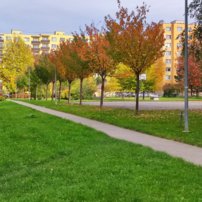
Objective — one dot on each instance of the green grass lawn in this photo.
(45, 158)
(165, 123)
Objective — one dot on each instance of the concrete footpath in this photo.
(187, 152)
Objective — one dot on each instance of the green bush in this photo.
(89, 88)
(2, 98)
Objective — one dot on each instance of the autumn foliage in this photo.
(194, 73)
(133, 41)
(100, 61)
(126, 39)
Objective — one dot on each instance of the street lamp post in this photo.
(186, 123)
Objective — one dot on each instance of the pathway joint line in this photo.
(192, 154)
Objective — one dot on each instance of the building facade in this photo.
(44, 43)
(173, 47)
(39, 43)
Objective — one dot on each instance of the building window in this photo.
(36, 39)
(35, 46)
(168, 29)
(54, 39)
(44, 38)
(168, 36)
(168, 69)
(179, 29)
(62, 39)
(44, 45)
(179, 45)
(168, 61)
(168, 45)
(168, 53)
(168, 77)
(26, 39)
(53, 46)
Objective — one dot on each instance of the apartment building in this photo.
(39, 43)
(44, 43)
(173, 47)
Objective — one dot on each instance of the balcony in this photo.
(45, 48)
(36, 42)
(46, 41)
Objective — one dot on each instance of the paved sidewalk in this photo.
(187, 152)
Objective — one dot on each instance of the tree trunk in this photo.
(81, 91)
(69, 91)
(16, 93)
(197, 92)
(102, 91)
(52, 96)
(46, 92)
(137, 90)
(143, 95)
(36, 92)
(191, 90)
(60, 87)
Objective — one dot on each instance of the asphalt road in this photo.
(153, 105)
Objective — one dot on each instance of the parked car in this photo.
(154, 96)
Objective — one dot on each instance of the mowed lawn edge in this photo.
(46, 158)
(162, 123)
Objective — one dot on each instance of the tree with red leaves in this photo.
(134, 42)
(66, 64)
(100, 61)
(82, 69)
(194, 74)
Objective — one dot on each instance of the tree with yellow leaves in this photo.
(17, 57)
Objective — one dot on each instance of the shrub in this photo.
(89, 88)
(2, 98)
(171, 90)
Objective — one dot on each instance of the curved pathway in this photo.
(187, 152)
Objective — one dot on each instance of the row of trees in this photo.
(127, 39)
(125, 47)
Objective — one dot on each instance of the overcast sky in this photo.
(47, 16)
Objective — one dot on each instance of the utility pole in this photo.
(186, 122)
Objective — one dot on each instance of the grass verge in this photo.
(162, 99)
(45, 158)
(165, 123)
